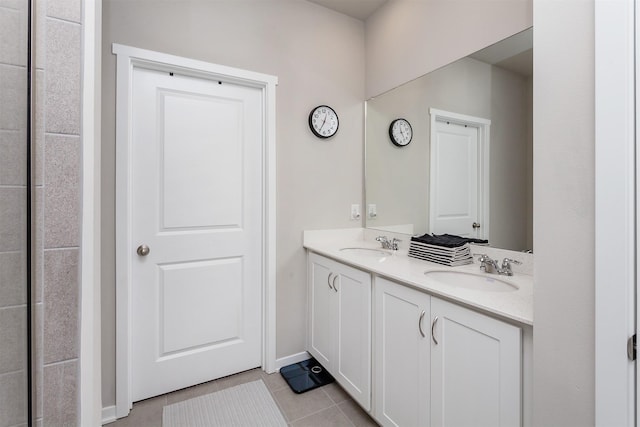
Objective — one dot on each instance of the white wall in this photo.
(318, 56)
(511, 169)
(564, 204)
(408, 38)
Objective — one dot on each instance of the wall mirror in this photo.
(468, 169)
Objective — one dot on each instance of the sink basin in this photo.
(478, 282)
(373, 252)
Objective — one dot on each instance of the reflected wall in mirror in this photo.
(494, 84)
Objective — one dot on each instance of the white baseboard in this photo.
(289, 360)
(108, 414)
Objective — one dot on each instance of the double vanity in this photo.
(417, 343)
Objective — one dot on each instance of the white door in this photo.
(196, 203)
(454, 180)
(476, 373)
(402, 353)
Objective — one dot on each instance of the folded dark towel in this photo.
(446, 240)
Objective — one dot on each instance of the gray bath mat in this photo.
(247, 405)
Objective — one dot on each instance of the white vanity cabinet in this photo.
(340, 324)
(402, 355)
(476, 374)
(440, 364)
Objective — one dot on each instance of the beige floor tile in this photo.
(147, 413)
(191, 392)
(356, 414)
(336, 393)
(330, 417)
(326, 406)
(295, 406)
(241, 378)
(274, 382)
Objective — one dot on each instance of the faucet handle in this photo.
(394, 243)
(507, 261)
(384, 241)
(482, 258)
(486, 263)
(506, 266)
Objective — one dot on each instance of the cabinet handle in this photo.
(335, 288)
(420, 323)
(329, 280)
(433, 335)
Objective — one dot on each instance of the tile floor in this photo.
(325, 406)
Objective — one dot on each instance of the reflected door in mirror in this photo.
(458, 184)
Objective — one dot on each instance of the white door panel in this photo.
(321, 310)
(402, 355)
(353, 356)
(198, 153)
(454, 177)
(199, 293)
(196, 202)
(476, 369)
(340, 324)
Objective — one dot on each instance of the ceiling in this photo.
(513, 53)
(359, 9)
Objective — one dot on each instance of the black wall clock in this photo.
(323, 121)
(400, 132)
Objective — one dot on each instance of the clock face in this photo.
(400, 132)
(323, 121)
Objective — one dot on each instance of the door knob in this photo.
(475, 225)
(143, 250)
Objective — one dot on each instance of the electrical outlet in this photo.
(355, 212)
(372, 211)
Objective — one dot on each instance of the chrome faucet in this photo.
(506, 266)
(490, 265)
(388, 244)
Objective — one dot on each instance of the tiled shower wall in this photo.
(57, 207)
(13, 202)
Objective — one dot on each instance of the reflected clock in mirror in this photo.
(400, 132)
(494, 83)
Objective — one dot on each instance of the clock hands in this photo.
(324, 121)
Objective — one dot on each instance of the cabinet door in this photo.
(475, 369)
(321, 309)
(352, 364)
(402, 336)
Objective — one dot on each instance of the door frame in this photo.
(616, 210)
(128, 58)
(90, 381)
(484, 127)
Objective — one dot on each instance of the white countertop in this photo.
(515, 305)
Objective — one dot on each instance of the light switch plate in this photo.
(355, 212)
(372, 211)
